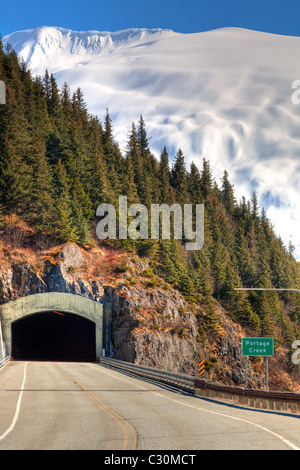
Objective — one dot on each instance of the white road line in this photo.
(15, 418)
(286, 441)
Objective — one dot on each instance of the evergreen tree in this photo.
(142, 138)
(129, 186)
(133, 151)
(227, 193)
(14, 178)
(167, 195)
(41, 205)
(202, 268)
(80, 224)
(254, 205)
(180, 179)
(206, 179)
(53, 101)
(47, 87)
(62, 227)
(194, 185)
(113, 157)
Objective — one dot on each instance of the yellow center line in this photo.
(120, 420)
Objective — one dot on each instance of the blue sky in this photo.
(186, 16)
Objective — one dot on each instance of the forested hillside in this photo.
(58, 163)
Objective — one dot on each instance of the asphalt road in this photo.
(85, 406)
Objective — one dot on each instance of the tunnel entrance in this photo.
(54, 336)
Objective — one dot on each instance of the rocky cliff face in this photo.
(149, 322)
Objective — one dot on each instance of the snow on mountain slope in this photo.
(224, 95)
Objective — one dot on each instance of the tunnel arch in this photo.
(53, 336)
(37, 304)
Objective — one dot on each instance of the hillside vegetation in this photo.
(58, 163)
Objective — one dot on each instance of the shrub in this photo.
(122, 268)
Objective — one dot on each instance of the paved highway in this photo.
(85, 406)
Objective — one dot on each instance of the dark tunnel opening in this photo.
(54, 336)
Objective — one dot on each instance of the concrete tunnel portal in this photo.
(53, 336)
(53, 326)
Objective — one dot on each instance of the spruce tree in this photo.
(129, 186)
(14, 178)
(227, 193)
(206, 179)
(62, 227)
(133, 150)
(180, 179)
(142, 137)
(194, 185)
(167, 195)
(41, 205)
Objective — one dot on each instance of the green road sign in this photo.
(257, 347)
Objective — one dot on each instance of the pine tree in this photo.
(38, 117)
(65, 102)
(246, 267)
(227, 193)
(101, 191)
(47, 87)
(220, 260)
(167, 195)
(268, 323)
(80, 223)
(206, 179)
(180, 179)
(41, 206)
(142, 137)
(194, 185)
(14, 178)
(62, 227)
(113, 157)
(254, 205)
(133, 150)
(129, 186)
(53, 100)
(202, 267)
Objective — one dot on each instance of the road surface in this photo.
(85, 406)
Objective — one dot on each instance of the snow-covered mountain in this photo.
(225, 95)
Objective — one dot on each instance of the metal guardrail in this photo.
(272, 400)
(4, 361)
(287, 402)
(181, 381)
(290, 397)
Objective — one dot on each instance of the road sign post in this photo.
(257, 347)
(201, 368)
